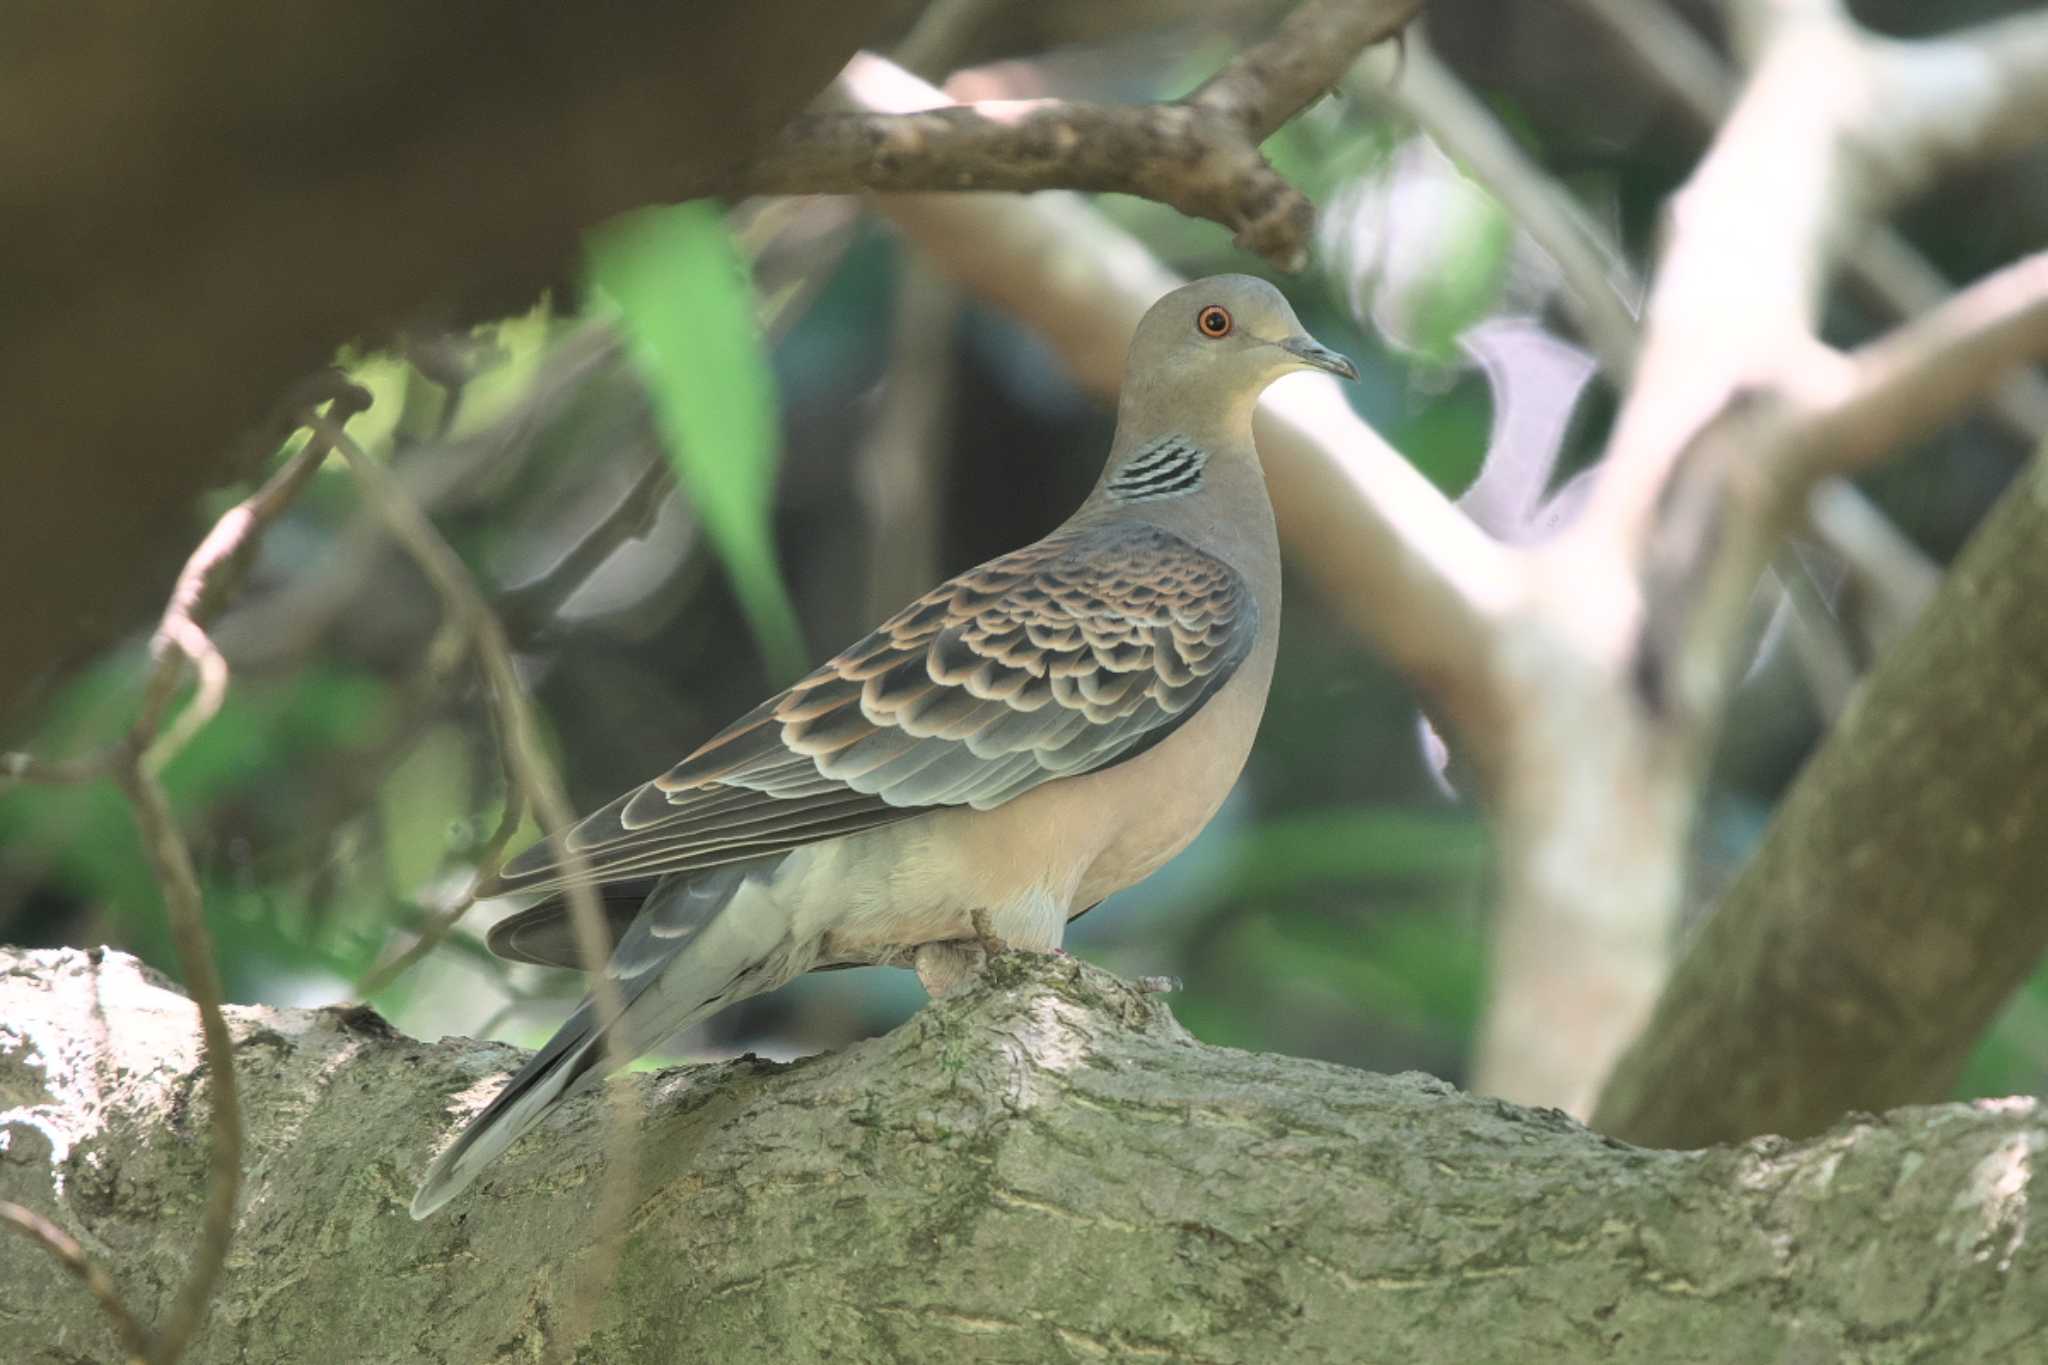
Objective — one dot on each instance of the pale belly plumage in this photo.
(1034, 862)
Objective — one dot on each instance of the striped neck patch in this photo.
(1165, 468)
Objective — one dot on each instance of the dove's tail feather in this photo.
(681, 958)
(571, 1055)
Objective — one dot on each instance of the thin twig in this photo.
(171, 862)
(529, 607)
(134, 1336)
(210, 575)
(282, 626)
(1815, 636)
(896, 466)
(1895, 577)
(1199, 154)
(1669, 50)
(490, 858)
(522, 611)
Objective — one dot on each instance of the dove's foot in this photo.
(985, 935)
(943, 968)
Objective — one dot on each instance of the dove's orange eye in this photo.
(1213, 321)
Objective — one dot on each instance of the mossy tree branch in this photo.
(1045, 1167)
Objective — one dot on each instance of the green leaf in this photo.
(686, 308)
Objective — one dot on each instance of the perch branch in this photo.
(1045, 1168)
(1199, 154)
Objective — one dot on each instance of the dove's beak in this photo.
(1314, 354)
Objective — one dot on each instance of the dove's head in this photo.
(1211, 347)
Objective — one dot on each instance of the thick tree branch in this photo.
(1928, 371)
(1884, 922)
(1042, 1168)
(1628, 647)
(1880, 261)
(1199, 154)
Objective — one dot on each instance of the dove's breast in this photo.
(1153, 806)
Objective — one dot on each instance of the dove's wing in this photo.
(1061, 658)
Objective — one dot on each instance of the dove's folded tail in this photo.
(569, 1056)
(683, 957)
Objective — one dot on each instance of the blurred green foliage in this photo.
(686, 306)
(84, 840)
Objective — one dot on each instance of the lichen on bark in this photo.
(1044, 1167)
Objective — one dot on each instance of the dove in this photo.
(1016, 745)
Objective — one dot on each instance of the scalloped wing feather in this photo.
(1062, 658)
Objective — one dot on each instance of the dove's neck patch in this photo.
(1165, 468)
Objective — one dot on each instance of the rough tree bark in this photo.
(1043, 1168)
(1884, 922)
